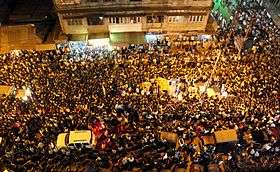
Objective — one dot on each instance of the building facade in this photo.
(91, 19)
(18, 37)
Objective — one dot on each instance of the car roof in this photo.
(80, 136)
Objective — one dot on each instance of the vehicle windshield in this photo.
(79, 145)
(67, 139)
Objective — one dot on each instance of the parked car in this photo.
(76, 139)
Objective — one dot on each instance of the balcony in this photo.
(116, 28)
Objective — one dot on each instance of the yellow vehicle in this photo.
(76, 139)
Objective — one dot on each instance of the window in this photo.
(192, 18)
(124, 20)
(95, 20)
(132, 19)
(174, 19)
(71, 146)
(169, 19)
(114, 20)
(78, 145)
(155, 19)
(196, 18)
(66, 141)
(74, 21)
(117, 20)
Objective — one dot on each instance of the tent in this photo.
(226, 136)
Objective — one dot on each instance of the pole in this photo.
(210, 78)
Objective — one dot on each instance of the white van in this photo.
(76, 139)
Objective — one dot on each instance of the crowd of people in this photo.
(78, 91)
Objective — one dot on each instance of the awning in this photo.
(78, 37)
(127, 38)
(98, 35)
(44, 47)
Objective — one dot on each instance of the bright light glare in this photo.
(152, 37)
(27, 94)
(98, 43)
(224, 94)
(24, 98)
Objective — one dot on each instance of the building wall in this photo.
(188, 24)
(178, 16)
(89, 4)
(18, 37)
